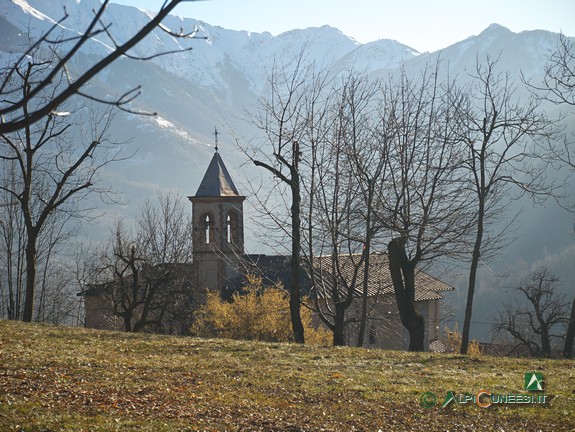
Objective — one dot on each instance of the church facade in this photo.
(220, 263)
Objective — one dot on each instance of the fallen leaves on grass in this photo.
(55, 378)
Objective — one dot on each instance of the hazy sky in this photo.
(425, 25)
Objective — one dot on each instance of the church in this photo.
(220, 263)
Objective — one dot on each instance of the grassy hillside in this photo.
(55, 378)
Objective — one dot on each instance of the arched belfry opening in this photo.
(208, 229)
(232, 224)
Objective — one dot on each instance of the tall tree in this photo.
(12, 259)
(53, 170)
(504, 156)
(366, 156)
(335, 231)
(340, 201)
(284, 118)
(56, 163)
(424, 209)
(559, 88)
(51, 300)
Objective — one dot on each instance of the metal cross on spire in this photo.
(216, 133)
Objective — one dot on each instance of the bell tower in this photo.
(217, 214)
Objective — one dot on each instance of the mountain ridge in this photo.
(223, 78)
(226, 74)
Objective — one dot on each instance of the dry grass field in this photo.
(71, 379)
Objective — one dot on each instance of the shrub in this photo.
(257, 313)
(454, 342)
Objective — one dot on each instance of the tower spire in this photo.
(216, 133)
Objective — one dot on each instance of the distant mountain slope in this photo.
(224, 75)
(194, 90)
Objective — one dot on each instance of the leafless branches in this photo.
(286, 120)
(427, 163)
(64, 50)
(51, 161)
(558, 84)
(506, 142)
(54, 147)
(344, 171)
(535, 325)
(145, 274)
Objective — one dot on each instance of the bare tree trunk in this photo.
(30, 278)
(295, 300)
(367, 252)
(12, 258)
(570, 335)
(545, 340)
(339, 325)
(403, 278)
(500, 132)
(365, 294)
(472, 281)
(127, 322)
(295, 267)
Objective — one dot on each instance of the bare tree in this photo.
(504, 146)
(392, 163)
(284, 118)
(335, 232)
(346, 167)
(56, 163)
(19, 110)
(12, 276)
(12, 259)
(559, 88)
(33, 135)
(424, 208)
(54, 299)
(537, 324)
(145, 274)
(366, 148)
(570, 334)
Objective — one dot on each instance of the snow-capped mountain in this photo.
(225, 75)
(192, 91)
(210, 61)
(222, 72)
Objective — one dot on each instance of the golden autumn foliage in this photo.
(255, 314)
(454, 342)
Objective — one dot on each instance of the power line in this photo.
(475, 322)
